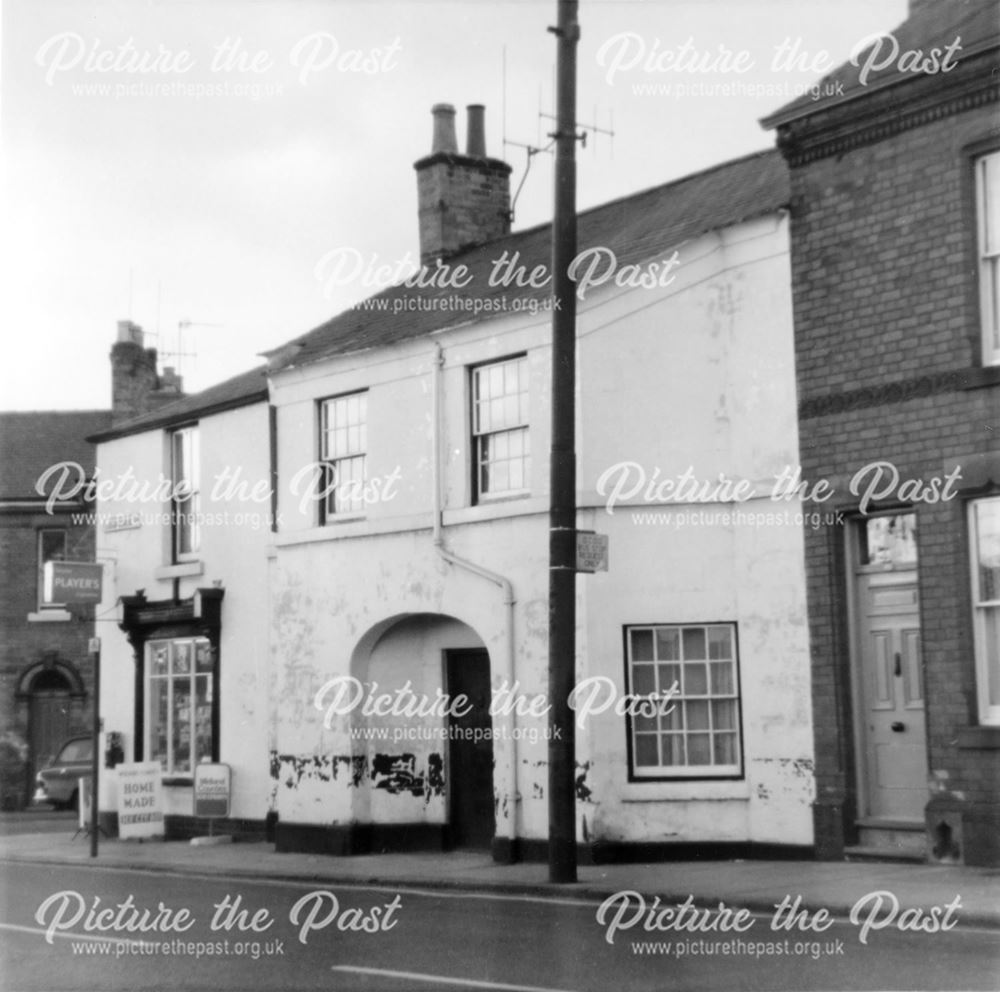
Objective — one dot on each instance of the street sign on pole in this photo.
(591, 551)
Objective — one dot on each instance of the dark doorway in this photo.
(470, 761)
(49, 720)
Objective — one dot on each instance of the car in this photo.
(58, 782)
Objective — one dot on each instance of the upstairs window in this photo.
(988, 217)
(343, 451)
(185, 493)
(500, 434)
(51, 547)
(984, 527)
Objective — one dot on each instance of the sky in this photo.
(189, 164)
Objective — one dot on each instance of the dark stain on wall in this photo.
(397, 773)
(582, 790)
(435, 776)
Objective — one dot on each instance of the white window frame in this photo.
(343, 450)
(989, 713)
(487, 428)
(637, 726)
(168, 761)
(42, 603)
(987, 210)
(185, 494)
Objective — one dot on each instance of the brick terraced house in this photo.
(895, 249)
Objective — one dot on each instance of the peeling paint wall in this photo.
(696, 375)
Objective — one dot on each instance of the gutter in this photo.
(504, 584)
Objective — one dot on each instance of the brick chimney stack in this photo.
(135, 386)
(463, 200)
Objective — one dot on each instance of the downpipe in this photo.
(504, 584)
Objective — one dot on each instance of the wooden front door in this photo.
(890, 677)
(48, 721)
(470, 761)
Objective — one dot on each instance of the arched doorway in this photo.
(52, 693)
(431, 767)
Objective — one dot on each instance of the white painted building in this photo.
(430, 580)
(183, 620)
(358, 656)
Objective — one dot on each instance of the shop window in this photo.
(179, 703)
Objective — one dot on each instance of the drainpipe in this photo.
(504, 584)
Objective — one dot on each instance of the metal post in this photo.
(562, 512)
(95, 655)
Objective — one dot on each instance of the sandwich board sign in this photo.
(72, 583)
(212, 789)
(140, 799)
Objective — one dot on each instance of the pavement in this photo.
(755, 885)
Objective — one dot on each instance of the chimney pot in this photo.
(127, 331)
(475, 136)
(444, 129)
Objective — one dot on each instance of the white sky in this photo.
(217, 208)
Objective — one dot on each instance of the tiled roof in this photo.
(240, 390)
(934, 25)
(636, 228)
(33, 441)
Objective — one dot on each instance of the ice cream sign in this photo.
(70, 583)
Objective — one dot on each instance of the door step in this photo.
(862, 853)
(889, 840)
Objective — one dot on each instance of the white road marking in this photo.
(413, 976)
(72, 936)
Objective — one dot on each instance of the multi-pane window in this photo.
(342, 450)
(185, 492)
(501, 438)
(988, 211)
(179, 703)
(696, 734)
(51, 547)
(985, 534)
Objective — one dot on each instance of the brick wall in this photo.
(24, 643)
(885, 295)
(462, 202)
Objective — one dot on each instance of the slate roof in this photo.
(935, 25)
(31, 442)
(240, 390)
(636, 228)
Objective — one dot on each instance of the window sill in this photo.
(677, 791)
(50, 616)
(977, 378)
(180, 570)
(496, 510)
(982, 738)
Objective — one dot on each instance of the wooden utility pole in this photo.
(562, 512)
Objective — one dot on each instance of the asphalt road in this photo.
(293, 936)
